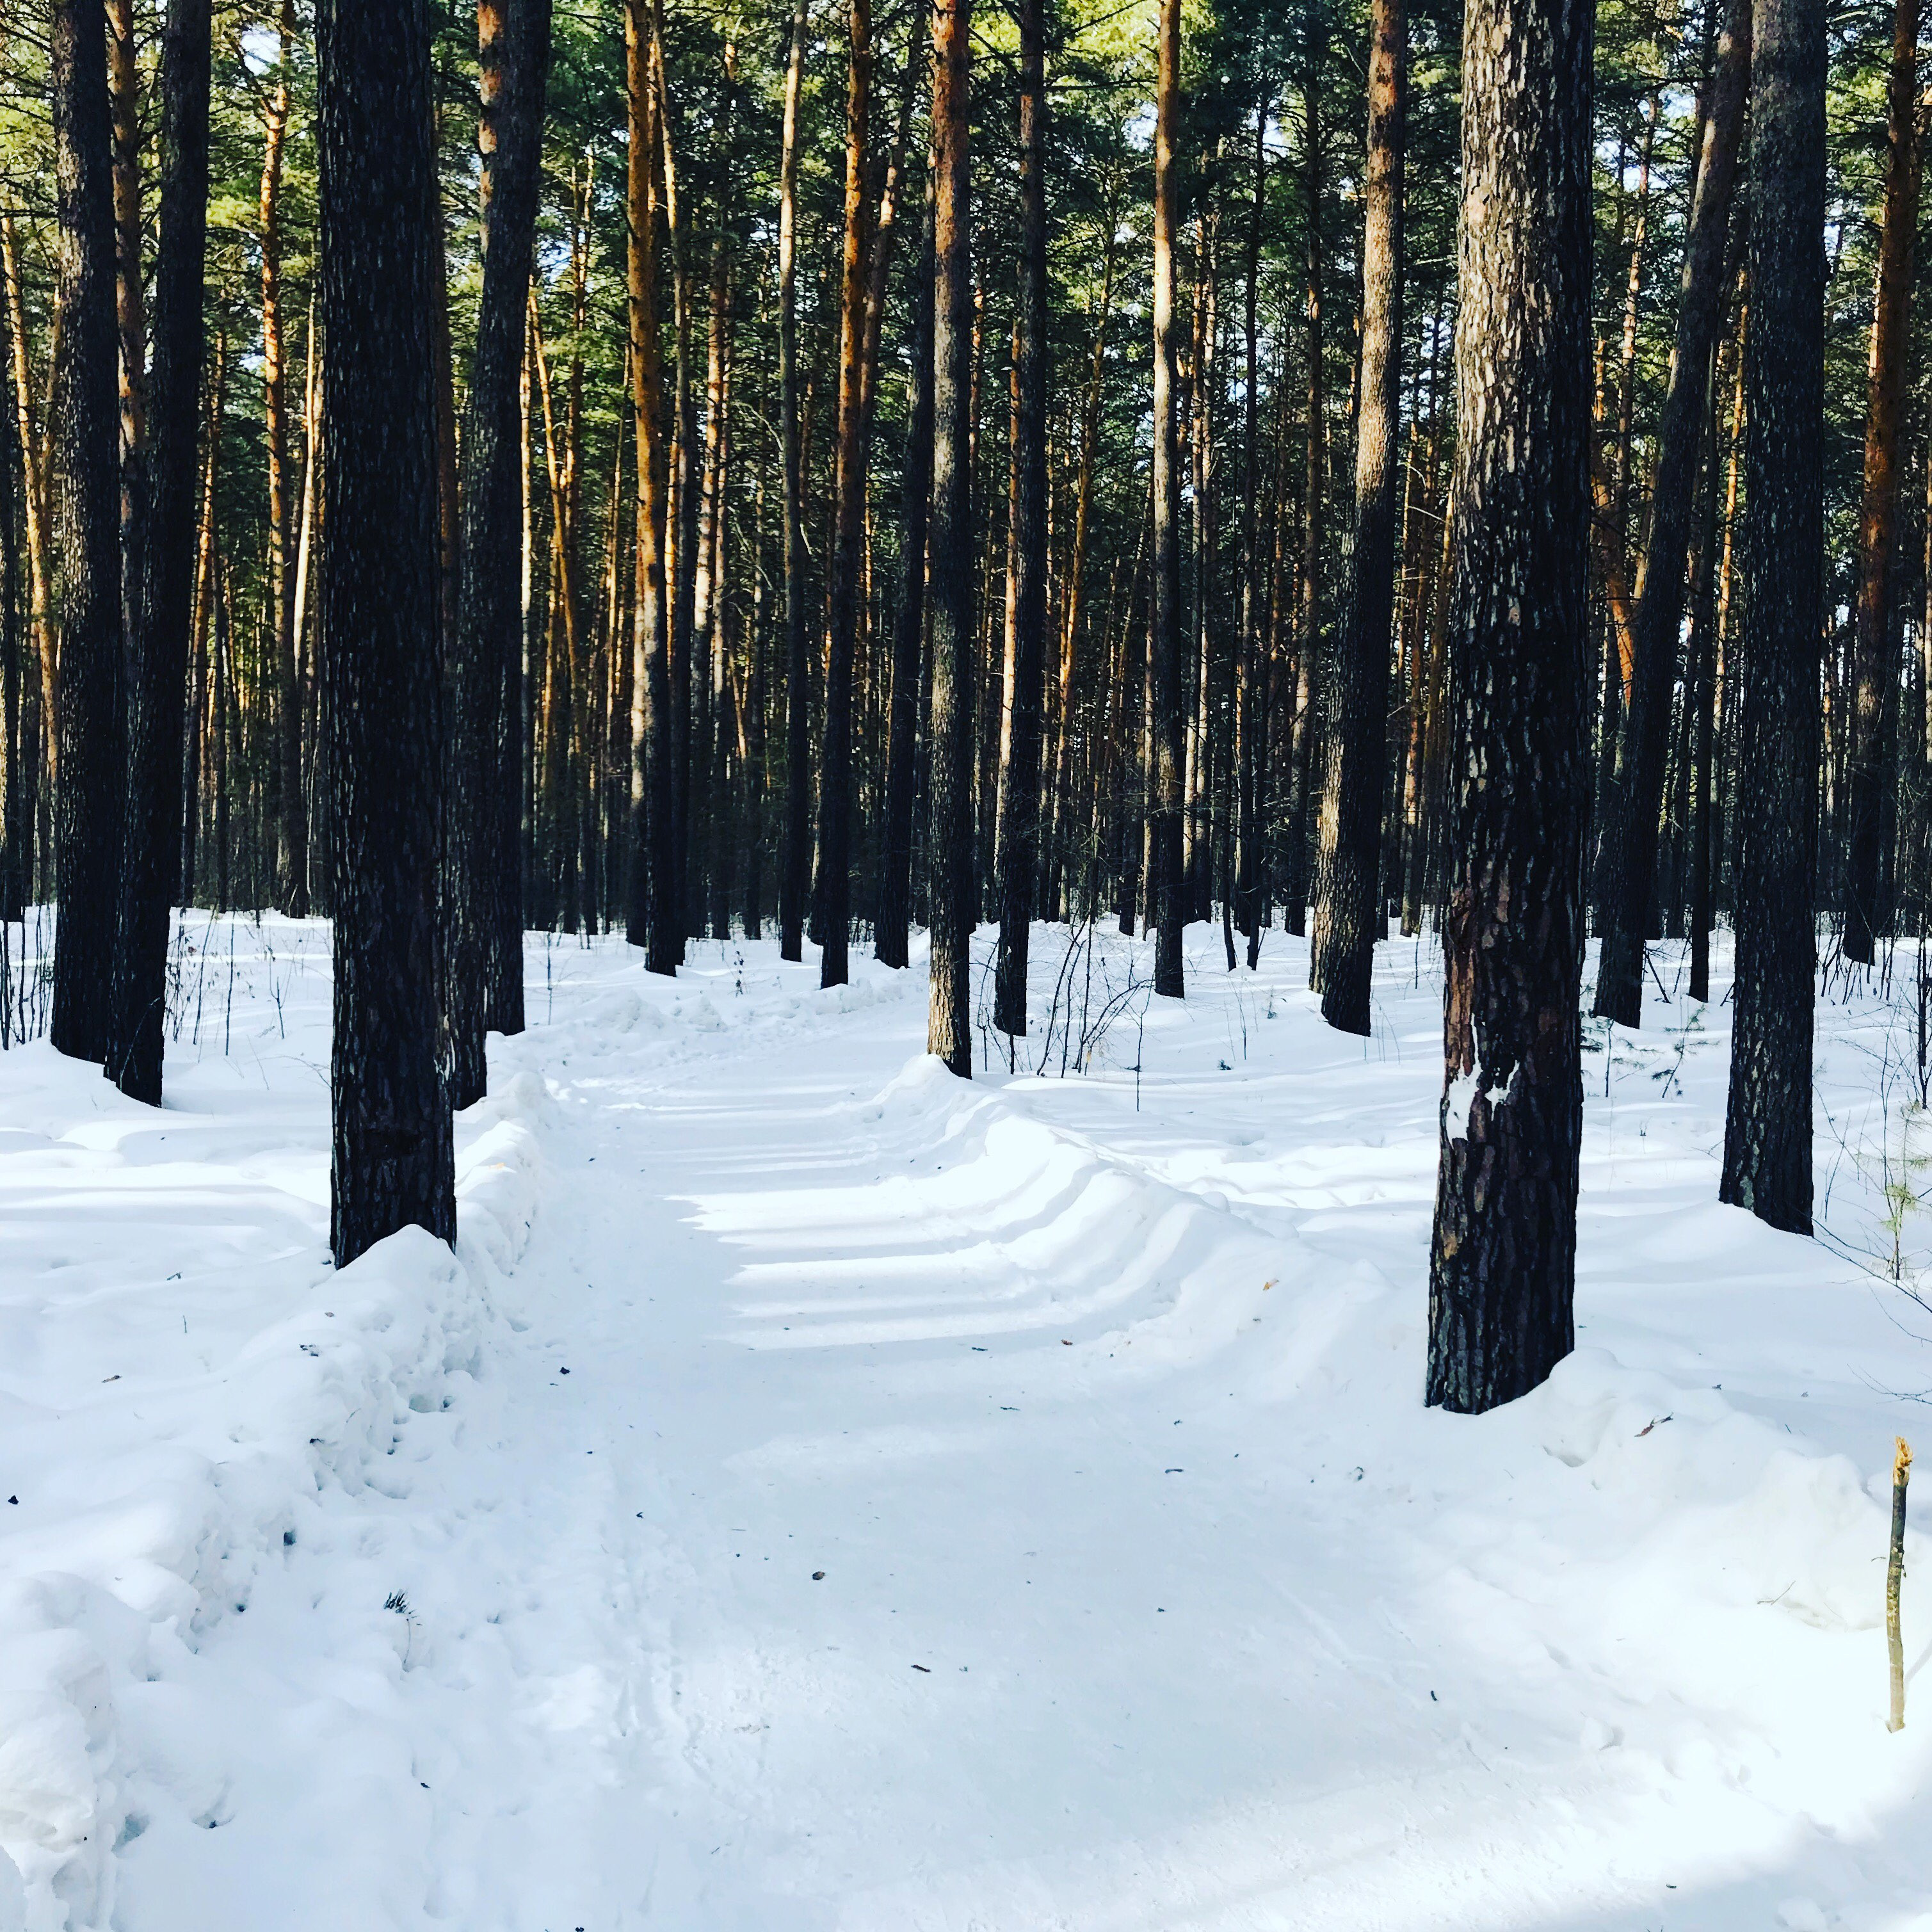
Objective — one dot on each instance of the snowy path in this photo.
(1150, 1599)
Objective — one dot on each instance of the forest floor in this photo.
(818, 1493)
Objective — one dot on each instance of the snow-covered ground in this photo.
(821, 1494)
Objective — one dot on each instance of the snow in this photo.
(818, 1493)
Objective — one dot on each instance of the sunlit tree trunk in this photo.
(1503, 1259)
(951, 890)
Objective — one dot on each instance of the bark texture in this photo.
(1767, 1119)
(164, 611)
(85, 429)
(393, 1163)
(1503, 1259)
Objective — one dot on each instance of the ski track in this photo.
(481, 1590)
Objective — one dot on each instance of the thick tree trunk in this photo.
(513, 44)
(1503, 1259)
(1627, 851)
(1876, 699)
(1026, 596)
(158, 649)
(951, 892)
(1767, 1122)
(1347, 915)
(1164, 806)
(894, 912)
(393, 1159)
(834, 782)
(795, 861)
(84, 432)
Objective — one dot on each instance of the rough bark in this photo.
(951, 889)
(379, 626)
(1503, 1257)
(1347, 915)
(1628, 851)
(84, 432)
(164, 613)
(1767, 1166)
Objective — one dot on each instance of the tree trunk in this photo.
(1876, 699)
(1026, 598)
(834, 782)
(293, 858)
(951, 892)
(514, 47)
(84, 433)
(1768, 1121)
(1628, 837)
(655, 918)
(1168, 888)
(379, 625)
(35, 452)
(1503, 1260)
(1347, 914)
(158, 650)
(123, 86)
(795, 864)
(894, 911)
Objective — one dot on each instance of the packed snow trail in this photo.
(822, 1494)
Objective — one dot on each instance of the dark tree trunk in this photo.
(1347, 915)
(1628, 848)
(795, 861)
(951, 892)
(1164, 806)
(158, 650)
(1026, 598)
(835, 778)
(1767, 1122)
(1503, 1260)
(513, 42)
(380, 589)
(894, 912)
(86, 430)
(1876, 702)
